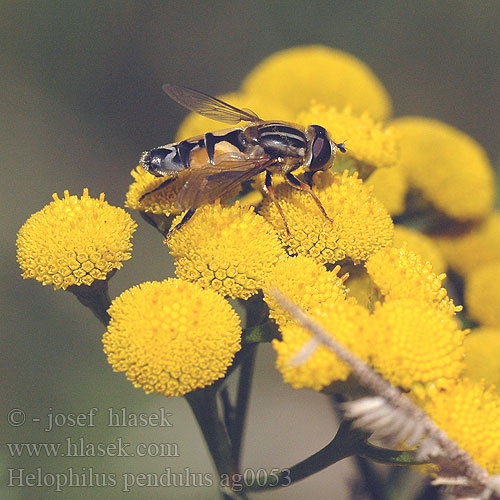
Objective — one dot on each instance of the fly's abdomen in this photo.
(280, 140)
(168, 160)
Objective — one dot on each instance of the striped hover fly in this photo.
(216, 162)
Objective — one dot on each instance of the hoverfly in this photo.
(216, 162)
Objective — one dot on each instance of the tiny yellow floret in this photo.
(470, 415)
(347, 322)
(74, 241)
(171, 337)
(482, 294)
(449, 168)
(228, 248)
(361, 225)
(295, 76)
(415, 346)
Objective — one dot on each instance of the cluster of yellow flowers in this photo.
(376, 286)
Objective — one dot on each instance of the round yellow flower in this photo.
(228, 248)
(473, 246)
(360, 226)
(400, 273)
(293, 77)
(367, 141)
(447, 166)
(74, 241)
(470, 415)
(390, 186)
(347, 322)
(171, 337)
(482, 355)
(305, 282)
(415, 346)
(421, 245)
(482, 294)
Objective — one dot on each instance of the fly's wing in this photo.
(209, 106)
(209, 182)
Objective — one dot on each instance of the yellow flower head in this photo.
(400, 273)
(171, 337)
(482, 294)
(421, 245)
(74, 241)
(347, 322)
(470, 415)
(390, 186)
(360, 226)
(305, 282)
(159, 202)
(367, 141)
(447, 166)
(472, 247)
(228, 248)
(415, 346)
(482, 355)
(294, 76)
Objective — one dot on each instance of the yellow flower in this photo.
(447, 166)
(195, 124)
(482, 355)
(421, 245)
(415, 346)
(228, 248)
(305, 282)
(293, 77)
(159, 202)
(390, 186)
(473, 246)
(360, 226)
(347, 323)
(482, 294)
(171, 337)
(470, 415)
(367, 141)
(74, 241)
(400, 273)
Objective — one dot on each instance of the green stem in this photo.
(243, 394)
(95, 297)
(345, 444)
(204, 406)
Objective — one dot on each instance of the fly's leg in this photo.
(161, 186)
(183, 221)
(302, 186)
(270, 190)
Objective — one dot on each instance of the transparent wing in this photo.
(205, 184)
(209, 106)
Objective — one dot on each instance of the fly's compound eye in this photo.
(321, 152)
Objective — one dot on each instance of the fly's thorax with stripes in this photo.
(282, 140)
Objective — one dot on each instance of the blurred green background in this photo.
(81, 98)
